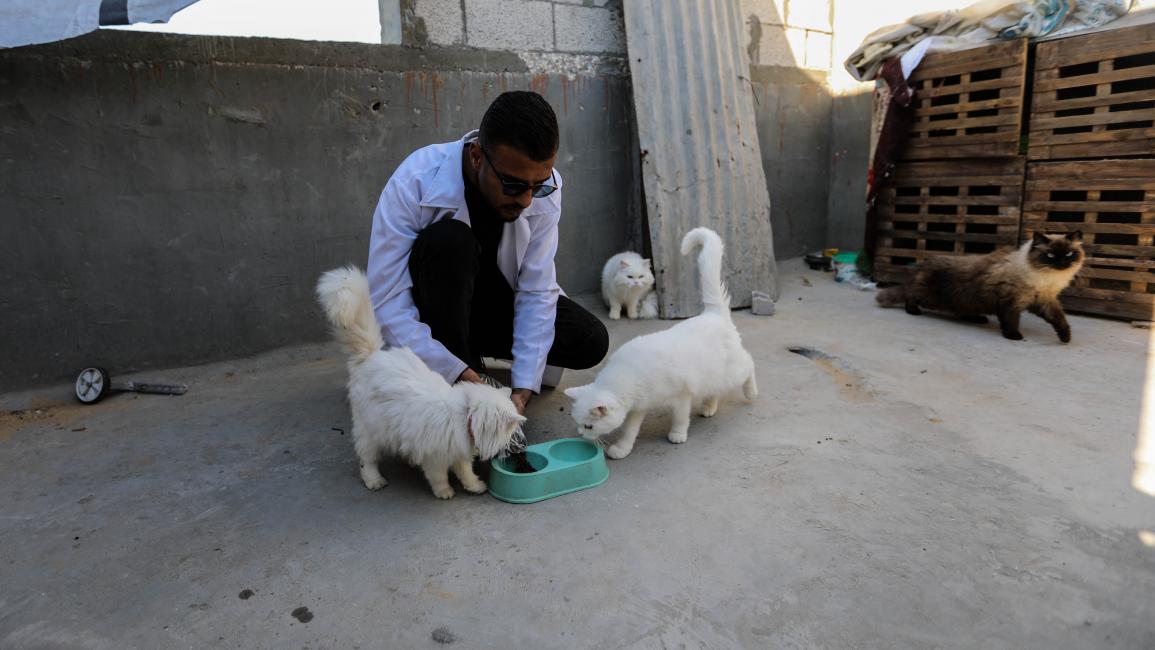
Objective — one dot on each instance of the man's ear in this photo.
(474, 152)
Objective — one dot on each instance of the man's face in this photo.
(510, 165)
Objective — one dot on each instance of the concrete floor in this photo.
(933, 486)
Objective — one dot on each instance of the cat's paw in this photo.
(443, 492)
(1065, 337)
(478, 487)
(615, 315)
(710, 408)
(1014, 336)
(750, 389)
(617, 452)
(374, 483)
(677, 437)
(372, 478)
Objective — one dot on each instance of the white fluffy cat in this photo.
(628, 281)
(695, 361)
(402, 407)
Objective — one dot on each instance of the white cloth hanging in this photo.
(27, 22)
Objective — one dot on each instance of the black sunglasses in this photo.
(517, 188)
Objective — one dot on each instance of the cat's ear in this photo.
(509, 418)
(506, 390)
(623, 264)
(1075, 236)
(648, 264)
(599, 411)
(573, 393)
(1040, 239)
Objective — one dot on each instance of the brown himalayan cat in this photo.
(1004, 283)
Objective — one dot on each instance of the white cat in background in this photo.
(402, 407)
(695, 361)
(628, 281)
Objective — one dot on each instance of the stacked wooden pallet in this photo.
(962, 186)
(958, 186)
(968, 104)
(1113, 203)
(1094, 96)
(946, 207)
(1094, 102)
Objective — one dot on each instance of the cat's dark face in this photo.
(1056, 252)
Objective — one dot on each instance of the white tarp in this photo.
(973, 26)
(27, 22)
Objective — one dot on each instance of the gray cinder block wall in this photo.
(171, 199)
(552, 36)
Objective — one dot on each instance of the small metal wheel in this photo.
(92, 385)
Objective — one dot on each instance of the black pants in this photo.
(468, 304)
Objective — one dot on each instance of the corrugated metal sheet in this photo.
(701, 163)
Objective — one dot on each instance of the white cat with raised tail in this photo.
(696, 361)
(628, 281)
(402, 407)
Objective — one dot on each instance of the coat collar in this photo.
(447, 189)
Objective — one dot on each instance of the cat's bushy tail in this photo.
(649, 306)
(891, 296)
(714, 293)
(344, 295)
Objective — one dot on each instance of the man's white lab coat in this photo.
(426, 188)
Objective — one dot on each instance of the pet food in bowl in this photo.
(560, 467)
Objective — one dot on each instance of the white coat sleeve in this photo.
(395, 228)
(535, 304)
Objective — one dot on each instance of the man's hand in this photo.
(471, 376)
(521, 397)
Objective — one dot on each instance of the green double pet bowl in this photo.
(560, 467)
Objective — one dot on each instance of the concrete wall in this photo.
(171, 199)
(849, 160)
(793, 109)
(789, 44)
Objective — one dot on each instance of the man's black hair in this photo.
(522, 120)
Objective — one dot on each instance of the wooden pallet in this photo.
(1094, 96)
(968, 104)
(1113, 203)
(950, 207)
